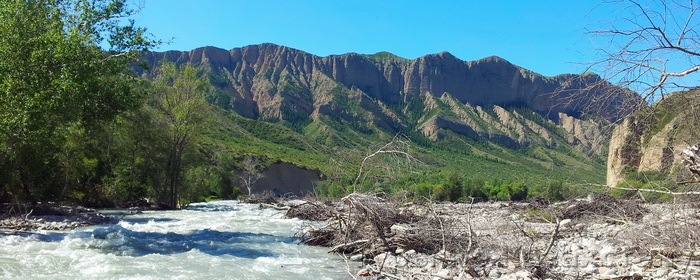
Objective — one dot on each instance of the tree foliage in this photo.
(57, 82)
(180, 100)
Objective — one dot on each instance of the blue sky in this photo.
(545, 36)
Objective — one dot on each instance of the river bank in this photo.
(51, 217)
(54, 216)
(595, 238)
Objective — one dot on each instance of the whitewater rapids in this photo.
(219, 240)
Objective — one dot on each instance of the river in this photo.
(219, 240)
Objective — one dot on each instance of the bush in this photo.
(552, 191)
(330, 190)
(451, 190)
(474, 188)
(517, 190)
(424, 189)
(503, 191)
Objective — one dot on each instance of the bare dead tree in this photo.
(653, 47)
(647, 50)
(397, 149)
(250, 173)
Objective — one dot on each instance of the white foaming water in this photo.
(221, 240)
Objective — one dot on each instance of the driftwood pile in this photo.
(596, 238)
(312, 211)
(462, 241)
(266, 197)
(364, 226)
(27, 217)
(691, 159)
(600, 205)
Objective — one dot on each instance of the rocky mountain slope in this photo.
(433, 95)
(501, 120)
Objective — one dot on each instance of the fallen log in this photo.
(348, 247)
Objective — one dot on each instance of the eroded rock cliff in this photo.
(260, 77)
(432, 95)
(651, 141)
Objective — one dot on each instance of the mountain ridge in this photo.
(488, 81)
(353, 100)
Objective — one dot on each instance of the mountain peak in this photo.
(204, 48)
(440, 55)
(446, 54)
(385, 56)
(494, 59)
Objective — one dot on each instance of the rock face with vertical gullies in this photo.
(590, 136)
(651, 141)
(434, 94)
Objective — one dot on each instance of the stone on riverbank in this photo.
(51, 217)
(617, 240)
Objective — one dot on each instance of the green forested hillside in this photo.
(336, 147)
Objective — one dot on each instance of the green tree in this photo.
(451, 188)
(180, 94)
(250, 173)
(473, 187)
(553, 191)
(136, 156)
(55, 74)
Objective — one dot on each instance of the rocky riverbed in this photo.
(595, 238)
(595, 248)
(581, 239)
(51, 217)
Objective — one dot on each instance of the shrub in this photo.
(330, 190)
(474, 188)
(552, 191)
(502, 190)
(423, 190)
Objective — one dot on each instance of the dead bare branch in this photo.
(651, 48)
(250, 173)
(656, 191)
(398, 146)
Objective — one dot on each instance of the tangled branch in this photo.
(398, 146)
(653, 48)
